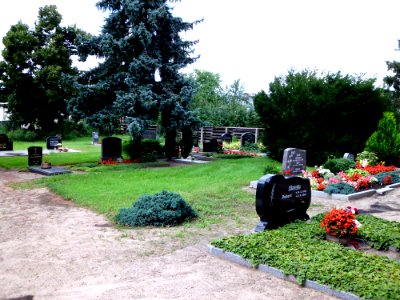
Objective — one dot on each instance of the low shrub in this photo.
(161, 209)
(335, 165)
(339, 188)
(270, 169)
(23, 135)
(385, 178)
(371, 157)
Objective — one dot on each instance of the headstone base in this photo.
(261, 226)
(49, 172)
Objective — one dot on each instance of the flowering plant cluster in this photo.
(111, 161)
(360, 178)
(341, 222)
(239, 152)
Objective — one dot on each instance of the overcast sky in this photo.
(256, 40)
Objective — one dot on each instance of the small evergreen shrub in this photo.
(339, 188)
(161, 209)
(385, 141)
(335, 165)
(383, 178)
(23, 135)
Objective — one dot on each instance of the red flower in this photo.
(339, 222)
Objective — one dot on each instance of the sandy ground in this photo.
(52, 249)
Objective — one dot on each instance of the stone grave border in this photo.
(279, 274)
(354, 196)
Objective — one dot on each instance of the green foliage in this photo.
(293, 109)
(393, 175)
(335, 165)
(222, 107)
(393, 81)
(339, 188)
(381, 233)
(34, 72)
(271, 169)
(231, 156)
(371, 157)
(299, 249)
(23, 135)
(385, 141)
(140, 78)
(161, 209)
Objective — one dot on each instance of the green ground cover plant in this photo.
(299, 249)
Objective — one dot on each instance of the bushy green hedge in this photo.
(161, 209)
(335, 165)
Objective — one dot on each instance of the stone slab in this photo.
(49, 172)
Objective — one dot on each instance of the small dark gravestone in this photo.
(111, 148)
(35, 155)
(149, 134)
(348, 156)
(248, 138)
(212, 145)
(294, 161)
(281, 200)
(227, 137)
(52, 142)
(5, 143)
(95, 138)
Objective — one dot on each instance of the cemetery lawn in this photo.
(214, 190)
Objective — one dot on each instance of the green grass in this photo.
(299, 249)
(213, 189)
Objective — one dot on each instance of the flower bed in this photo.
(111, 161)
(360, 178)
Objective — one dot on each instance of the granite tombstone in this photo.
(281, 200)
(294, 161)
(248, 138)
(213, 145)
(52, 142)
(348, 156)
(111, 148)
(5, 143)
(35, 156)
(227, 138)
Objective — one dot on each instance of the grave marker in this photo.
(53, 141)
(294, 161)
(35, 155)
(5, 143)
(226, 137)
(95, 138)
(348, 156)
(281, 200)
(212, 145)
(248, 138)
(111, 148)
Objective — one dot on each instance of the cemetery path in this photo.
(52, 249)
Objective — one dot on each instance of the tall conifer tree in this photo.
(139, 79)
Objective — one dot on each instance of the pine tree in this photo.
(139, 80)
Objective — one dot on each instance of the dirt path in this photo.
(51, 249)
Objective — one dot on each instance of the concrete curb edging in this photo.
(279, 274)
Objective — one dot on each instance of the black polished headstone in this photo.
(195, 141)
(52, 142)
(281, 200)
(111, 148)
(95, 137)
(226, 137)
(35, 155)
(294, 161)
(213, 145)
(348, 156)
(5, 143)
(248, 138)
